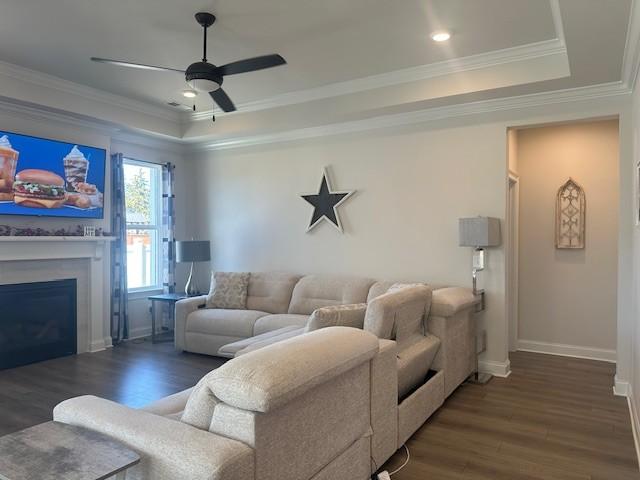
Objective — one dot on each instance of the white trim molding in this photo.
(621, 388)
(635, 423)
(497, 369)
(631, 58)
(565, 350)
(604, 90)
(398, 77)
(49, 81)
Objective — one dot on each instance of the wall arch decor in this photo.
(570, 215)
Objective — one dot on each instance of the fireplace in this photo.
(37, 322)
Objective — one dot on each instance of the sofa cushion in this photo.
(414, 361)
(231, 323)
(267, 379)
(270, 291)
(228, 290)
(275, 322)
(316, 291)
(230, 349)
(337, 316)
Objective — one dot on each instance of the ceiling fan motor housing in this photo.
(203, 76)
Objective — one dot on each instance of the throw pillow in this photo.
(337, 316)
(228, 290)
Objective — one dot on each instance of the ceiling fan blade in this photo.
(222, 99)
(252, 64)
(122, 63)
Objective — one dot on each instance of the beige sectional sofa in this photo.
(308, 396)
(423, 334)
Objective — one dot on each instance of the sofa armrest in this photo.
(167, 448)
(446, 302)
(183, 309)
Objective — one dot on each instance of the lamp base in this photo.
(191, 288)
(480, 378)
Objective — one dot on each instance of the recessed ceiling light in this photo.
(189, 93)
(440, 36)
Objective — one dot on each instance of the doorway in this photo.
(561, 295)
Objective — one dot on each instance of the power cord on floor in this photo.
(405, 462)
(384, 475)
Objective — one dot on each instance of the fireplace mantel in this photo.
(29, 248)
(93, 250)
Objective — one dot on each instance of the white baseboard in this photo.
(635, 422)
(621, 388)
(567, 350)
(139, 332)
(100, 345)
(497, 369)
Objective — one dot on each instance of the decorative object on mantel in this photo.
(325, 203)
(192, 251)
(89, 231)
(78, 231)
(570, 215)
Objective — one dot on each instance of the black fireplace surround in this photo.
(37, 321)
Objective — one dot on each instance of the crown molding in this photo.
(605, 90)
(49, 81)
(631, 58)
(115, 132)
(407, 75)
(557, 20)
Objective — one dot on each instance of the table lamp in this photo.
(192, 251)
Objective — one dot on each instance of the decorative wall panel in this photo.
(570, 215)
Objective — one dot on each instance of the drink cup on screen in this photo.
(8, 163)
(76, 167)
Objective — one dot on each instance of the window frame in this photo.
(155, 228)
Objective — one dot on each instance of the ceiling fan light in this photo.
(203, 85)
(189, 93)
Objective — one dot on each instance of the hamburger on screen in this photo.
(50, 178)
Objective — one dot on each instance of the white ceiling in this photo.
(325, 42)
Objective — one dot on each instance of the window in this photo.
(143, 198)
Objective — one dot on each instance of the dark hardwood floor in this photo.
(131, 373)
(553, 418)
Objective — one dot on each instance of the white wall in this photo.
(413, 184)
(567, 300)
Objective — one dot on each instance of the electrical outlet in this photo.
(384, 476)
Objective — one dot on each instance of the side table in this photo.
(57, 451)
(170, 298)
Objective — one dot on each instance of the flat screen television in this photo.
(50, 178)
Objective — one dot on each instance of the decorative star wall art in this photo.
(325, 203)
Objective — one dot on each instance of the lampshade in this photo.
(479, 232)
(193, 251)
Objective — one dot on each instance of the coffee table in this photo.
(57, 451)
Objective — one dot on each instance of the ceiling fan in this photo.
(207, 77)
